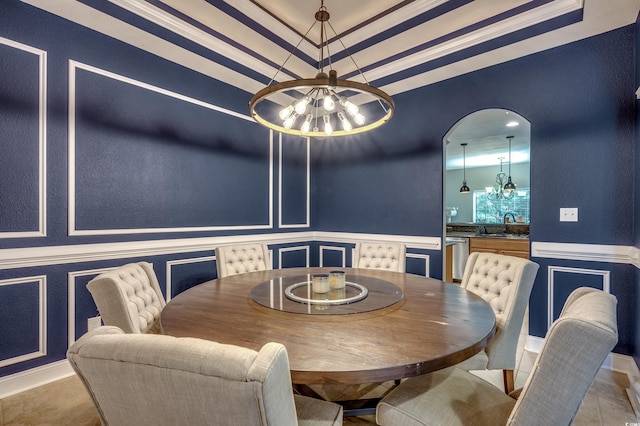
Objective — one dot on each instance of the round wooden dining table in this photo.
(406, 325)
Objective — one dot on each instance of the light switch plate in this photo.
(569, 214)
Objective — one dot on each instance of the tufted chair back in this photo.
(232, 260)
(575, 347)
(505, 282)
(385, 256)
(129, 297)
(164, 381)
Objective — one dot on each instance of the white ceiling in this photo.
(485, 133)
(399, 45)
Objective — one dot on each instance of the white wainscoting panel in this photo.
(42, 142)
(41, 350)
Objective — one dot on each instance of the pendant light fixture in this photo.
(497, 192)
(464, 189)
(509, 186)
(319, 106)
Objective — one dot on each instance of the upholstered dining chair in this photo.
(385, 256)
(505, 282)
(574, 349)
(162, 380)
(129, 297)
(238, 259)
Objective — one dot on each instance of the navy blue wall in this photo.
(579, 99)
(145, 159)
(151, 159)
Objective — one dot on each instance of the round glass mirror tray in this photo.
(295, 294)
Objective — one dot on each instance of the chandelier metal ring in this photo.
(306, 84)
(323, 100)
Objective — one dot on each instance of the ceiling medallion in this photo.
(321, 106)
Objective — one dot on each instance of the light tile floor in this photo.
(66, 402)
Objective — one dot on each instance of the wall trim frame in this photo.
(296, 248)
(587, 252)
(343, 250)
(606, 284)
(42, 142)
(75, 65)
(171, 263)
(42, 320)
(308, 198)
(71, 298)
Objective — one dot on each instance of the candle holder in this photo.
(337, 280)
(320, 283)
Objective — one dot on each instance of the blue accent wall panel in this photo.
(621, 278)
(294, 258)
(185, 276)
(148, 160)
(19, 319)
(294, 180)
(332, 258)
(19, 141)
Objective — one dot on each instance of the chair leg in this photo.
(507, 377)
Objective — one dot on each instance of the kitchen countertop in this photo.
(476, 235)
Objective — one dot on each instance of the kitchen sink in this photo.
(514, 236)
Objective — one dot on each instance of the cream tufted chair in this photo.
(573, 351)
(385, 256)
(164, 381)
(505, 282)
(232, 260)
(129, 297)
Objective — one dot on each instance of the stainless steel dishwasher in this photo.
(460, 255)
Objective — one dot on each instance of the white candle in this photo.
(320, 283)
(336, 279)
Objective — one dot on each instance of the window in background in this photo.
(489, 211)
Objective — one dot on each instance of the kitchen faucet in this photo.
(512, 216)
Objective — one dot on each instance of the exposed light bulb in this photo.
(307, 124)
(359, 119)
(349, 106)
(346, 125)
(288, 123)
(301, 105)
(286, 112)
(328, 102)
(328, 129)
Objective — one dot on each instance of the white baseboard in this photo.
(29, 379)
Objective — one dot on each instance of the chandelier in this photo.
(324, 105)
(504, 189)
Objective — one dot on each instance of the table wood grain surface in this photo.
(434, 325)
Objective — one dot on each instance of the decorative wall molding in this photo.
(308, 197)
(171, 263)
(42, 318)
(71, 298)
(606, 284)
(56, 255)
(290, 249)
(427, 243)
(587, 252)
(424, 257)
(73, 66)
(332, 248)
(42, 141)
